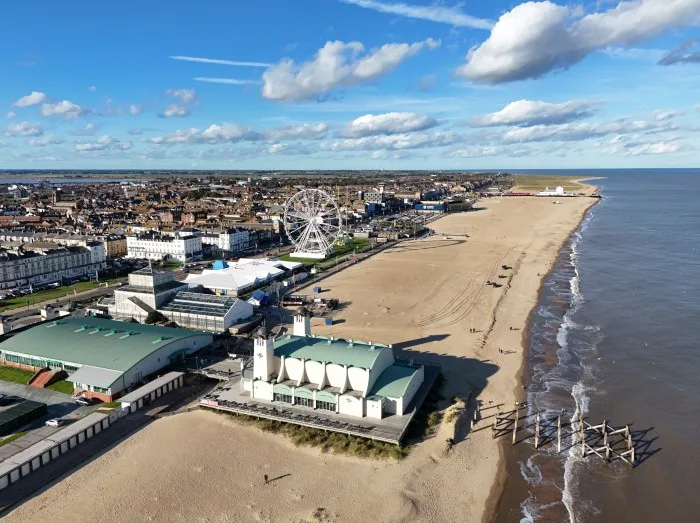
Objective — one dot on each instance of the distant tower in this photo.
(302, 322)
(263, 354)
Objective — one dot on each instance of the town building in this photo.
(243, 276)
(206, 312)
(227, 242)
(147, 291)
(40, 263)
(349, 377)
(104, 359)
(155, 246)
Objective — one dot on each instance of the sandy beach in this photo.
(422, 295)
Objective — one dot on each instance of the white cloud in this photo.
(43, 141)
(89, 129)
(219, 62)
(533, 112)
(135, 109)
(229, 81)
(654, 148)
(388, 123)
(336, 64)
(433, 13)
(3, 144)
(483, 151)
(106, 143)
(583, 131)
(306, 131)
(214, 134)
(24, 129)
(662, 116)
(394, 142)
(11, 115)
(186, 96)
(175, 110)
(65, 109)
(34, 98)
(535, 38)
(276, 148)
(92, 88)
(686, 53)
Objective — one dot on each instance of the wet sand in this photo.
(422, 295)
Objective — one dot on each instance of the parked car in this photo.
(85, 401)
(56, 422)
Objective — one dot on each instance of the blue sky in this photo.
(333, 84)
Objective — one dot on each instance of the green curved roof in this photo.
(97, 342)
(338, 351)
(393, 381)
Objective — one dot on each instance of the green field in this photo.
(536, 183)
(15, 375)
(23, 376)
(338, 250)
(50, 294)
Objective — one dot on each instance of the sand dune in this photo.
(422, 296)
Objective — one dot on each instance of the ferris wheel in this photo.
(312, 221)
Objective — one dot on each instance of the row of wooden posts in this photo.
(590, 436)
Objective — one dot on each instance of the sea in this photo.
(615, 336)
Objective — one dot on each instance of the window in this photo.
(325, 405)
(100, 389)
(284, 398)
(306, 402)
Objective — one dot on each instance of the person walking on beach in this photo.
(266, 479)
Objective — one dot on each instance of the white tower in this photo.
(263, 354)
(302, 322)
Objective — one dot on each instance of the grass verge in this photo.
(11, 438)
(15, 375)
(66, 387)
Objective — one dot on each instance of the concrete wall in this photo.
(262, 390)
(351, 405)
(315, 371)
(358, 379)
(336, 375)
(373, 408)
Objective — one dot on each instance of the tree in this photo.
(155, 317)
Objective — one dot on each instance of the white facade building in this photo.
(148, 290)
(39, 263)
(158, 247)
(228, 241)
(360, 379)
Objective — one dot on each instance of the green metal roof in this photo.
(97, 342)
(393, 381)
(338, 351)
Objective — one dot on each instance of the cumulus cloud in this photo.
(433, 13)
(24, 129)
(536, 38)
(686, 53)
(43, 141)
(106, 143)
(175, 110)
(214, 134)
(306, 131)
(336, 64)
(34, 98)
(186, 98)
(135, 109)
(89, 129)
(393, 142)
(583, 131)
(65, 109)
(532, 112)
(388, 123)
(11, 115)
